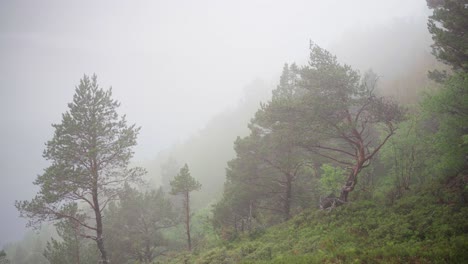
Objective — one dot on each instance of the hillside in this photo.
(336, 163)
(416, 229)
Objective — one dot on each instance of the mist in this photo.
(173, 65)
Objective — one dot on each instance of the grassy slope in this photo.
(416, 229)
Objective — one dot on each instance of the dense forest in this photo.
(334, 166)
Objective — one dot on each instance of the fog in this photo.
(172, 64)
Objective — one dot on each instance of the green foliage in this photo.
(134, 226)
(447, 25)
(184, 183)
(241, 190)
(331, 179)
(448, 109)
(414, 230)
(71, 247)
(65, 252)
(202, 229)
(446, 116)
(406, 158)
(430, 146)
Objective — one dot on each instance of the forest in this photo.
(333, 165)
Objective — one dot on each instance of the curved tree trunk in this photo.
(349, 186)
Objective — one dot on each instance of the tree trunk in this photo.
(99, 237)
(287, 198)
(249, 219)
(360, 160)
(350, 182)
(187, 220)
(97, 209)
(148, 254)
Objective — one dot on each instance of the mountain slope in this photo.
(416, 229)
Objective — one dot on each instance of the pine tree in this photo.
(184, 184)
(448, 25)
(89, 154)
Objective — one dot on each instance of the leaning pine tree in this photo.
(333, 113)
(89, 154)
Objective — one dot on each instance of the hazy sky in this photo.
(172, 64)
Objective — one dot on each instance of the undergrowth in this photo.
(416, 229)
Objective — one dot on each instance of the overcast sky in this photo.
(172, 64)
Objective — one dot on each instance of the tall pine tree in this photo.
(184, 184)
(89, 154)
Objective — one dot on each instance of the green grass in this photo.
(414, 230)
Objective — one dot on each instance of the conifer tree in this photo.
(89, 155)
(448, 25)
(184, 184)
